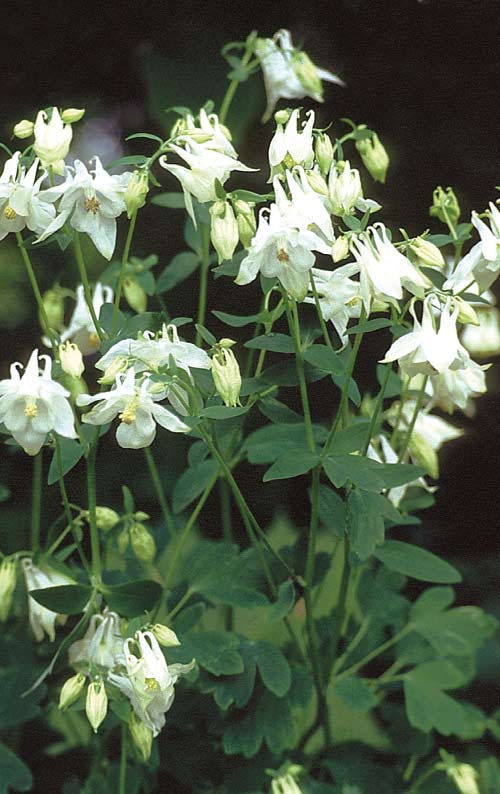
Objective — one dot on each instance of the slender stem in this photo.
(173, 612)
(293, 323)
(404, 394)
(341, 604)
(91, 492)
(121, 276)
(86, 286)
(425, 776)
(411, 426)
(376, 652)
(160, 493)
(205, 262)
(361, 632)
(232, 87)
(36, 291)
(326, 335)
(66, 505)
(36, 502)
(123, 761)
(378, 406)
(225, 510)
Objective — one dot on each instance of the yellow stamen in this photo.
(30, 410)
(152, 684)
(282, 256)
(93, 339)
(92, 204)
(9, 213)
(128, 415)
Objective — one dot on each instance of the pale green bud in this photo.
(8, 576)
(123, 541)
(142, 543)
(427, 253)
(227, 377)
(75, 386)
(165, 636)
(340, 249)
(307, 73)
(136, 192)
(224, 231)
(285, 784)
(323, 149)
(120, 364)
(374, 157)
(424, 454)
(466, 314)
(53, 304)
(72, 115)
(445, 205)
(141, 516)
(23, 129)
(317, 182)
(344, 187)
(142, 736)
(135, 295)
(71, 690)
(106, 518)
(96, 704)
(226, 342)
(465, 778)
(282, 116)
(245, 219)
(71, 359)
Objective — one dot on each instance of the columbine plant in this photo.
(277, 644)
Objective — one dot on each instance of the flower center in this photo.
(128, 415)
(93, 339)
(282, 256)
(30, 410)
(152, 684)
(92, 204)
(9, 213)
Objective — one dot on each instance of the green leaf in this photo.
(267, 718)
(219, 572)
(272, 441)
(223, 411)
(365, 524)
(361, 471)
(66, 599)
(370, 325)
(332, 510)
(237, 320)
(458, 632)
(129, 159)
(427, 705)
(394, 474)
(273, 668)
(278, 412)
(292, 464)
(324, 358)
(177, 271)
(215, 651)
(277, 343)
(284, 373)
(432, 600)
(132, 598)
(351, 439)
(416, 562)
(147, 135)
(15, 707)
(192, 483)
(173, 201)
(14, 774)
(249, 195)
(71, 452)
(356, 694)
(284, 603)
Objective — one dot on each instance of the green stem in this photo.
(66, 506)
(121, 276)
(399, 414)
(378, 406)
(373, 654)
(425, 776)
(173, 612)
(205, 262)
(411, 426)
(160, 493)
(36, 291)
(338, 628)
(123, 761)
(293, 323)
(86, 286)
(36, 502)
(326, 335)
(233, 85)
(92, 503)
(225, 510)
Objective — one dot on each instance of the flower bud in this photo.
(464, 777)
(285, 784)
(424, 454)
(136, 192)
(106, 518)
(317, 182)
(96, 704)
(123, 541)
(466, 313)
(71, 690)
(374, 156)
(142, 543)
(224, 231)
(227, 377)
(23, 129)
(71, 359)
(53, 304)
(427, 253)
(165, 636)
(135, 295)
(72, 115)
(282, 116)
(344, 185)
(245, 219)
(323, 150)
(307, 73)
(52, 140)
(8, 576)
(340, 249)
(118, 365)
(142, 736)
(140, 515)
(75, 386)
(445, 206)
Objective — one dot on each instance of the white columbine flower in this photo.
(205, 166)
(137, 408)
(482, 263)
(344, 187)
(21, 202)
(483, 340)
(304, 209)
(289, 73)
(33, 405)
(454, 388)
(384, 271)
(94, 199)
(148, 681)
(52, 140)
(43, 620)
(209, 132)
(102, 645)
(81, 329)
(291, 146)
(339, 296)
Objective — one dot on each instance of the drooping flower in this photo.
(344, 187)
(43, 620)
(454, 388)
(21, 202)
(52, 140)
(136, 405)
(482, 263)
(33, 405)
(483, 340)
(339, 296)
(147, 680)
(304, 209)
(102, 646)
(206, 130)
(81, 329)
(92, 201)
(290, 146)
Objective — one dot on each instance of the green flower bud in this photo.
(106, 518)
(374, 157)
(427, 253)
(466, 314)
(317, 182)
(136, 192)
(245, 219)
(224, 231)
(8, 576)
(445, 206)
(142, 736)
(323, 149)
(120, 364)
(424, 454)
(340, 249)
(72, 115)
(227, 377)
(135, 295)
(307, 73)
(123, 541)
(23, 129)
(71, 690)
(96, 704)
(165, 636)
(53, 304)
(71, 359)
(141, 516)
(142, 543)
(75, 386)
(282, 116)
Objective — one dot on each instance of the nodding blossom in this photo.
(482, 263)
(43, 620)
(21, 202)
(81, 329)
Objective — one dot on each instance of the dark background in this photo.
(424, 75)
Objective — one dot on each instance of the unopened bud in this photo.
(142, 543)
(285, 784)
(106, 518)
(8, 576)
(53, 305)
(307, 73)
(317, 182)
(247, 225)
(140, 515)
(142, 736)
(226, 342)
(224, 231)
(427, 253)
(71, 359)
(122, 541)
(282, 116)
(23, 129)
(135, 295)
(466, 314)
(118, 365)
(445, 206)
(165, 636)
(344, 185)
(96, 704)
(424, 454)
(227, 377)
(136, 192)
(72, 115)
(71, 690)
(323, 149)
(75, 386)
(374, 157)
(340, 249)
